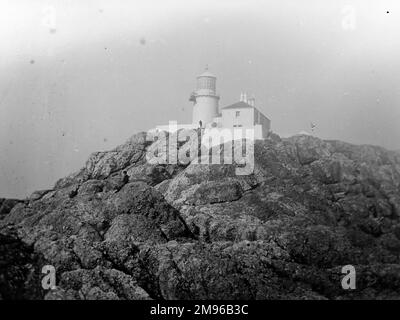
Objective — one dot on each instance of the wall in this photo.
(205, 109)
(262, 120)
(249, 117)
(229, 119)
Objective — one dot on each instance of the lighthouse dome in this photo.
(206, 74)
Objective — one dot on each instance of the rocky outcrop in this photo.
(195, 231)
(20, 269)
(6, 205)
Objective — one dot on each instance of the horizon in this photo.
(83, 76)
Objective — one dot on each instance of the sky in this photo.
(78, 76)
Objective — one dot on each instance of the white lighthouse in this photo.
(240, 116)
(205, 99)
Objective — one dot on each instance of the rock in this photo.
(98, 283)
(39, 194)
(200, 184)
(91, 187)
(6, 205)
(213, 192)
(310, 148)
(101, 165)
(200, 231)
(20, 269)
(334, 169)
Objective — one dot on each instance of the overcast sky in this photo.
(77, 76)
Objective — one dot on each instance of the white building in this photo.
(240, 115)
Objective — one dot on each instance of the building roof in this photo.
(239, 105)
(243, 105)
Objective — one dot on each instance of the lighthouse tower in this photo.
(205, 99)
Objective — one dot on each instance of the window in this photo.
(237, 125)
(237, 114)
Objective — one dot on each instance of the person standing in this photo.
(125, 178)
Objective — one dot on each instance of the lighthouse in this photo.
(242, 116)
(205, 99)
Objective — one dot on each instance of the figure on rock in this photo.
(125, 178)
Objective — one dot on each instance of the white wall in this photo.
(229, 119)
(248, 118)
(205, 109)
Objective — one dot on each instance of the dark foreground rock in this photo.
(202, 232)
(6, 205)
(20, 269)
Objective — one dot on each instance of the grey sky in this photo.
(77, 76)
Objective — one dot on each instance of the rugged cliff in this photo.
(200, 231)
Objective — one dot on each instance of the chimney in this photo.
(252, 101)
(245, 97)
